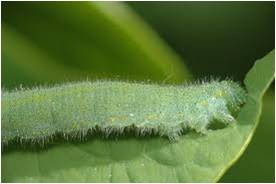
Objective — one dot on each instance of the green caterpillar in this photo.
(74, 109)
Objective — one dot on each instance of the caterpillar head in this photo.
(232, 93)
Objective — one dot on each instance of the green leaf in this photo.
(51, 42)
(194, 158)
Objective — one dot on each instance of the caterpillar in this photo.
(74, 109)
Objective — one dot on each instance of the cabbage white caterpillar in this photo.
(73, 109)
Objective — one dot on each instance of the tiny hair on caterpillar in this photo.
(113, 107)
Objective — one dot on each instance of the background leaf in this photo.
(51, 42)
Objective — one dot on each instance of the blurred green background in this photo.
(54, 42)
(214, 38)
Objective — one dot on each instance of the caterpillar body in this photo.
(73, 109)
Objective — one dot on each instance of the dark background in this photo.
(213, 38)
